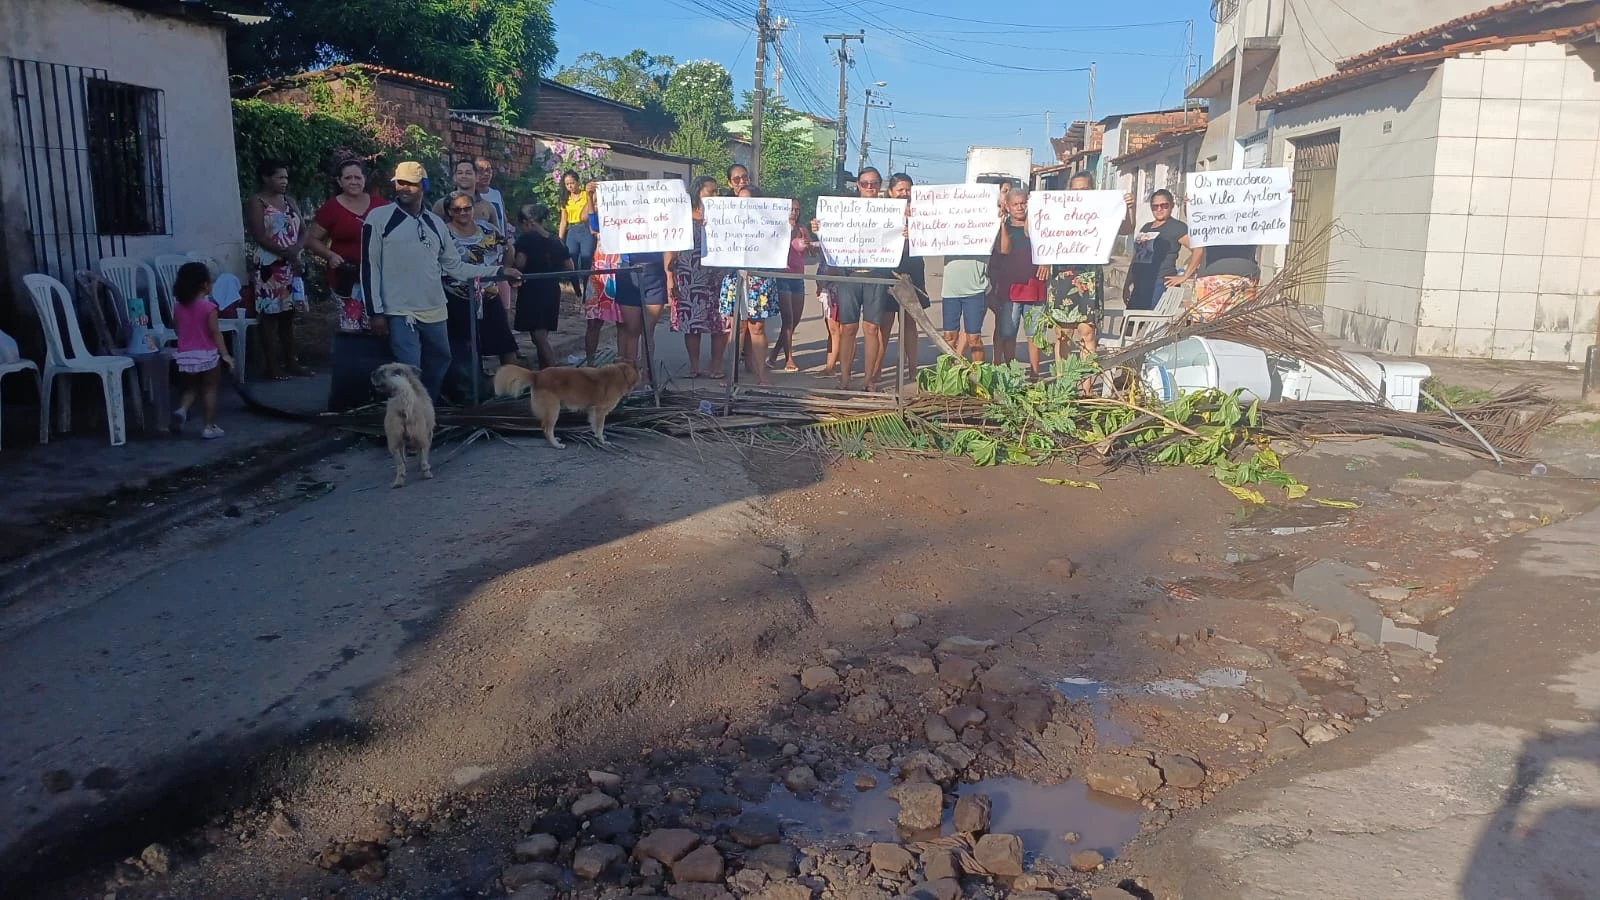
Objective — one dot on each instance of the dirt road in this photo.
(348, 690)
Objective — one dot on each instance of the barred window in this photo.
(125, 158)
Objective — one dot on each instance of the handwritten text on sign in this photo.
(859, 233)
(1075, 228)
(644, 216)
(954, 219)
(747, 232)
(1243, 206)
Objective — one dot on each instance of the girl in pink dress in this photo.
(201, 351)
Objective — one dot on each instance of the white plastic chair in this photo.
(27, 365)
(125, 272)
(226, 290)
(50, 300)
(1124, 328)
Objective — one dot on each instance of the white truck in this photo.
(999, 165)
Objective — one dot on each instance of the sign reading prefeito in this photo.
(644, 216)
(857, 233)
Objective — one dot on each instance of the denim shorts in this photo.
(791, 285)
(964, 314)
(862, 301)
(1008, 319)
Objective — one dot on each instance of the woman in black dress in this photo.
(539, 301)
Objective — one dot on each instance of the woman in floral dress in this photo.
(600, 303)
(479, 243)
(277, 234)
(760, 304)
(694, 289)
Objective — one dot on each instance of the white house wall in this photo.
(1513, 264)
(188, 62)
(1383, 198)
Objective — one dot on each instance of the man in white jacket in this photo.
(405, 251)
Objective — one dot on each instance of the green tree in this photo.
(700, 91)
(488, 49)
(638, 79)
(792, 165)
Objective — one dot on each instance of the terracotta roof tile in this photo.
(1355, 76)
(1481, 16)
(1169, 138)
(340, 72)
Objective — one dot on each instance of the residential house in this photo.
(1161, 160)
(1458, 162)
(568, 110)
(117, 140)
(1110, 138)
(824, 134)
(410, 99)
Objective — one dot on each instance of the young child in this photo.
(201, 350)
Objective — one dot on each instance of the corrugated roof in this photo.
(340, 72)
(1481, 17)
(1349, 78)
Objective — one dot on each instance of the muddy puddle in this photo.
(1331, 587)
(1041, 815)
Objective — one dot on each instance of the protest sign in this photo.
(1075, 228)
(859, 233)
(954, 219)
(1242, 206)
(644, 216)
(747, 232)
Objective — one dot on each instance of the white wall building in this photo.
(119, 137)
(1459, 163)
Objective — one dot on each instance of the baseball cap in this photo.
(411, 172)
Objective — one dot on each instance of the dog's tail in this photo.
(511, 381)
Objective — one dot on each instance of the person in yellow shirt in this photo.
(574, 232)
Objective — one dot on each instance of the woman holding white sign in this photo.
(1155, 255)
(760, 304)
(693, 288)
(792, 291)
(1015, 278)
(1074, 294)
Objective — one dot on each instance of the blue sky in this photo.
(993, 71)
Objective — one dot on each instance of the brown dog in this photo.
(596, 390)
(408, 418)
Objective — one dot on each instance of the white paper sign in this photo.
(1242, 206)
(954, 219)
(644, 216)
(1075, 228)
(747, 232)
(859, 233)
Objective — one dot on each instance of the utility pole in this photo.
(1091, 107)
(844, 62)
(778, 27)
(892, 142)
(867, 104)
(760, 97)
(1188, 57)
(1047, 134)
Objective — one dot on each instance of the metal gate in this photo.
(1316, 164)
(51, 104)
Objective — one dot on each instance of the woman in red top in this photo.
(792, 291)
(336, 237)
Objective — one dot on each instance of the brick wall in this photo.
(510, 151)
(414, 104)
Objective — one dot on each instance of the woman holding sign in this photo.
(1074, 297)
(1155, 255)
(693, 289)
(1015, 278)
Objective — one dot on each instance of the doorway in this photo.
(1316, 165)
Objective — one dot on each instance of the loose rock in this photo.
(1389, 594)
(1321, 629)
(536, 848)
(938, 730)
(524, 874)
(891, 858)
(999, 854)
(962, 717)
(605, 781)
(1319, 734)
(1086, 860)
(1283, 741)
(1245, 656)
(1184, 556)
(703, 865)
(866, 709)
(1008, 680)
(747, 881)
(593, 803)
(777, 860)
(1122, 776)
(938, 889)
(923, 764)
(973, 813)
(157, 858)
(959, 756)
(1061, 567)
(906, 621)
(916, 665)
(921, 804)
(617, 822)
(1181, 772)
(819, 678)
(958, 671)
(961, 645)
(57, 781)
(1348, 704)
(666, 845)
(756, 830)
(784, 892)
(593, 861)
(801, 780)
(939, 864)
